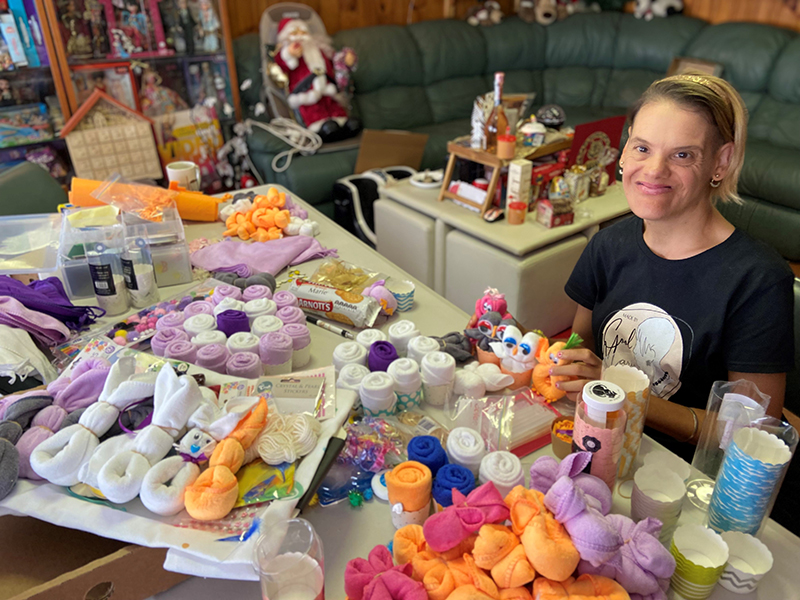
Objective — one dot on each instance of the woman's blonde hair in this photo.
(722, 106)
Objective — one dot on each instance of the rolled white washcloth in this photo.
(198, 324)
(228, 304)
(421, 345)
(469, 384)
(349, 353)
(377, 394)
(502, 468)
(407, 382)
(204, 338)
(260, 307)
(351, 376)
(401, 333)
(465, 447)
(243, 341)
(369, 336)
(265, 324)
(438, 377)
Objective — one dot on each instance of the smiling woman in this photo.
(676, 290)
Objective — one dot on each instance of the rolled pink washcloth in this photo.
(301, 342)
(174, 319)
(201, 307)
(165, 337)
(181, 350)
(244, 364)
(256, 292)
(284, 299)
(264, 325)
(244, 341)
(260, 307)
(213, 357)
(291, 314)
(225, 291)
(276, 350)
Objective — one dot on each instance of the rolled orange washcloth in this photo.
(494, 543)
(470, 592)
(409, 484)
(408, 542)
(549, 548)
(523, 504)
(517, 593)
(585, 587)
(514, 570)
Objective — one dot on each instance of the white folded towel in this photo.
(405, 372)
(350, 376)
(438, 368)
(349, 353)
(502, 468)
(469, 384)
(228, 304)
(199, 323)
(368, 337)
(260, 307)
(243, 341)
(421, 345)
(263, 325)
(401, 333)
(494, 379)
(204, 338)
(465, 447)
(377, 394)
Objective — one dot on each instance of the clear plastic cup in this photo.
(289, 560)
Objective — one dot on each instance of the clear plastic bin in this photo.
(29, 244)
(167, 246)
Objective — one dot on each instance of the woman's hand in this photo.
(584, 366)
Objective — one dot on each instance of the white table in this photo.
(458, 254)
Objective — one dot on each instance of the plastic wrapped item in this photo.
(731, 406)
(260, 483)
(422, 424)
(137, 268)
(342, 479)
(518, 422)
(146, 201)
(104, 247)
(376, 443)
(345, 276)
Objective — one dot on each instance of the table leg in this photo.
(448, 175)
(490, 192)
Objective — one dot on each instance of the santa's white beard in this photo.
(313, 56)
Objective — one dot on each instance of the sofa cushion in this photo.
(784, 82)
(514, 45)
(575, 86)
(394, 108)
(438, 135)
(653, 44)
(626, 85)
(577, 115)
(388, 57)
(771, 173)
(247, 56)
(524, 82)
(587, 40)
(453, 98)
(449, 49)
(777, 122)
(773, 224)
(747, 50)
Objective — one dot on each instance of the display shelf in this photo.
(75, 62)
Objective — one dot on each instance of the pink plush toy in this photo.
(492, 300)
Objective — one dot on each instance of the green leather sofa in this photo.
(424, 78)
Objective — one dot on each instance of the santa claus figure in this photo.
(306, 62)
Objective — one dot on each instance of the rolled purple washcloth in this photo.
(232, 321)
(381, 355)
(291, 314)
(181, 350)
(174, 319)
(225, 291)
(255, 292)
(201, 307)
(283, 299)
(213, 357)
(244, 364)
(276, 349)
(164, 337)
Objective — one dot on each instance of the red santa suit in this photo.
(311, 76)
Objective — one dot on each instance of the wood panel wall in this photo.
(349, 14)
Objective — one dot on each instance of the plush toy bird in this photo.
(485, 330)
(517, 352)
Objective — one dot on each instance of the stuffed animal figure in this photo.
(547, 357)
(485, 13)
(647, 9)
(492, 300)
(547, 12)
(527, 11)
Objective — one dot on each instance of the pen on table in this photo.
(328, 327)
(332, 450)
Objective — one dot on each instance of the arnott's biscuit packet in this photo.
(345, 307)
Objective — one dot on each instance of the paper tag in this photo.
(129, 274)
(292, 394)
(103, 280)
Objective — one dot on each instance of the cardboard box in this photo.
(519, 181)
(40, 561)
(546, 215)
(389, 148)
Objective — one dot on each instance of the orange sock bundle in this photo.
(407, 543)
(214, 493)
(517, 593)
(585, 587)
(498, 549)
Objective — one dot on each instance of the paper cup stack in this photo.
(748, 562)
(658, 493)
(753, 467)
(403, 291)
(700, 557)
(636, 386)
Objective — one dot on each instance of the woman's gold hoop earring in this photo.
(715, 183)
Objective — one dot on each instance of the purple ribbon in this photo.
(141, 425)
(193, 459)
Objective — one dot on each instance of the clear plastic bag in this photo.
(146, 201)
(344, 276)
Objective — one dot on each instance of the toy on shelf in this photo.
(158, 99)
(24, 125)
(115, 79)
(106, 137)
(74, 30)
(485, 13)
(647, 9)
(210, 26)
(181, 22)
(547, 356)
(135, 27)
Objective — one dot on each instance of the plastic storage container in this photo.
(29, 244)
(168, 247)
(72, 262)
